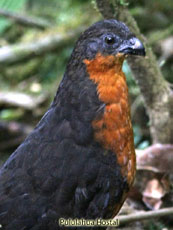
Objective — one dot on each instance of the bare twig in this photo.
(16, 53)
(145, 215)
(124, 219)
(21, 100)
(25, 19)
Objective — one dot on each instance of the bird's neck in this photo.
(113, 130)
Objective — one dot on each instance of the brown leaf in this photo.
(153, 194)
(158, 158)
(154, 189)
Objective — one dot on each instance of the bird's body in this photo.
(79, 162)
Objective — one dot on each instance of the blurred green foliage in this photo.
(11, 114)
(11, 5)
(63, 13)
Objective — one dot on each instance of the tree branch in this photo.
(156, 91)
(13, 54)
(25, 20)
(21, 100)
(124, 219)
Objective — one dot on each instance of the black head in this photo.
(108, 37)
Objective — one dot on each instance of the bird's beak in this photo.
(132, 46)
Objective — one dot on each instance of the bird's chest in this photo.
(113, 130)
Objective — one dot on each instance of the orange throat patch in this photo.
(113, 130)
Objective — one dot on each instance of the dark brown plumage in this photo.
(79, 161)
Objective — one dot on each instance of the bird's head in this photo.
(107, 37)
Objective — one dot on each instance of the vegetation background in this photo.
(36, 40)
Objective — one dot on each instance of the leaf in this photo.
(157, 158)
(154, 192)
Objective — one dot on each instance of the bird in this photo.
(79, 161)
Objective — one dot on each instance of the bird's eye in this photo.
(110, 40)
